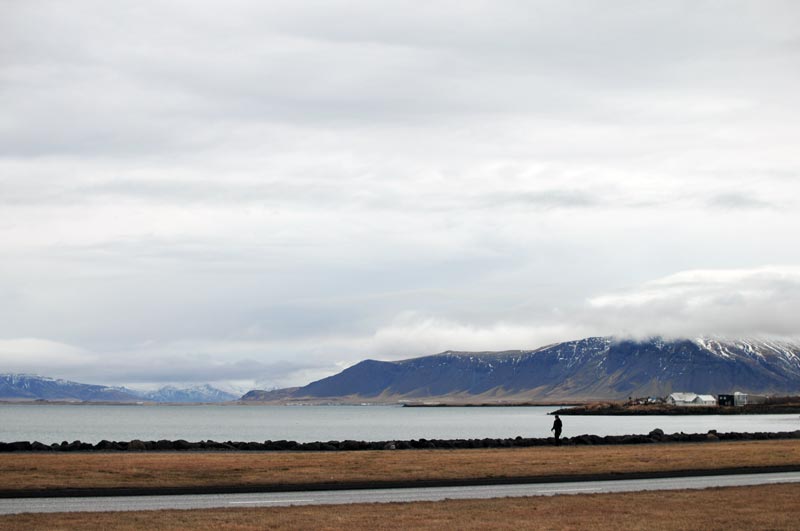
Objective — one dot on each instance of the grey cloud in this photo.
(738, 201)
(182, 369)
(548, 199)
(198, 371)
(753, 302)
(280, 193)
(129, 87)
(303, 176)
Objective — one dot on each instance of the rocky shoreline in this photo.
(655, 436)
(614, 409)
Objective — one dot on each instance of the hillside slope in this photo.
(33, 387)
(592, 368)
(25, 387)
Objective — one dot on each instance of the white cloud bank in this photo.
(31, 354)
(763, 301)
(758, 302)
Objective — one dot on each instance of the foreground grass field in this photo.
(147, 470)
(772, 507)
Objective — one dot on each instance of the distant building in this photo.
(690, 399)
(725, 400)
(705, 400)
(743, 399)
(681, 399)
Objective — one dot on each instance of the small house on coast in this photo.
(690, 399)
(743, 399)
(706, 400)
(725, 400)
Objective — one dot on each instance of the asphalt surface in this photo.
(335, 497)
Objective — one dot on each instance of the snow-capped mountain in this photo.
(195, 393)
(33, 387)
(592, 368)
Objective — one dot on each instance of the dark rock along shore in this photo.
(655, 436)
(625, 410)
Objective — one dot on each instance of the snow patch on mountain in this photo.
(195, 393)
(34, 387)
(591, 368)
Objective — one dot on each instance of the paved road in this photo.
(277, 499)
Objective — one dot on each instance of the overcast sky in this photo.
(262, 193)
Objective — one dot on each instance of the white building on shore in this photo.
(743, 399)
(690, 399)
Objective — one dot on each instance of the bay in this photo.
(93, 423)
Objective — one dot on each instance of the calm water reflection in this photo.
(92, 424)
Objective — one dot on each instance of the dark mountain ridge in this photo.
(592, 368)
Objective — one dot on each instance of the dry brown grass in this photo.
(770, 507)
(38, 471)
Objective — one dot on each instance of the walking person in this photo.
(556, 429)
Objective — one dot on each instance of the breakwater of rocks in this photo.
(663, 409)
(655, 436)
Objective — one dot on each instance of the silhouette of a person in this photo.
(556, 429)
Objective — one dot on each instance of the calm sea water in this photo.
(49, 424)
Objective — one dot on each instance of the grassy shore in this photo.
(181, 469)
(772, 507)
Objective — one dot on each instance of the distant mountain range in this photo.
(196, 393)
(592, 368)
(33, 387)
(588, 369)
